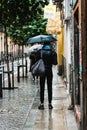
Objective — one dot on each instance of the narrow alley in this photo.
(19, 107)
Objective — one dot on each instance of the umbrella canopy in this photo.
(41, 39)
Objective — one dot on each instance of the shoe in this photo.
(41, 107)
(50, 106)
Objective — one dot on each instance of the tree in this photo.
(21, 19)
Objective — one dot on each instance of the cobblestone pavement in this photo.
(18, 107)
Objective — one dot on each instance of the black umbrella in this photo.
(41, 39)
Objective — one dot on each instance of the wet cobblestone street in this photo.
(19, 107)
(16, 104)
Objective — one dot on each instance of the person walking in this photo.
(50, 58)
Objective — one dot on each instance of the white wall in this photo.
(67, 38)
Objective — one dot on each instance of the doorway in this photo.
(76, 57)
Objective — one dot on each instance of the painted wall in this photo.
(60, 46)
(67, 39)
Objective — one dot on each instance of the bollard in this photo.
(18, 73)
(18, 70)
(12, 75)
(26, 69)
(0, 84)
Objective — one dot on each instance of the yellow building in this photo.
(54, 27)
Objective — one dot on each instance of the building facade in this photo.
(76, 47)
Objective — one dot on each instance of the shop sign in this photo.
(54, 25)
(50, 11)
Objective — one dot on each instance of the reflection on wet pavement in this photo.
(19, 107)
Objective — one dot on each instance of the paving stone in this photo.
(19, 107)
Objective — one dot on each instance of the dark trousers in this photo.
(49, 76)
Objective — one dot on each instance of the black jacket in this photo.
(49, 57)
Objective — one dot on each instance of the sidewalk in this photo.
(19, 107)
